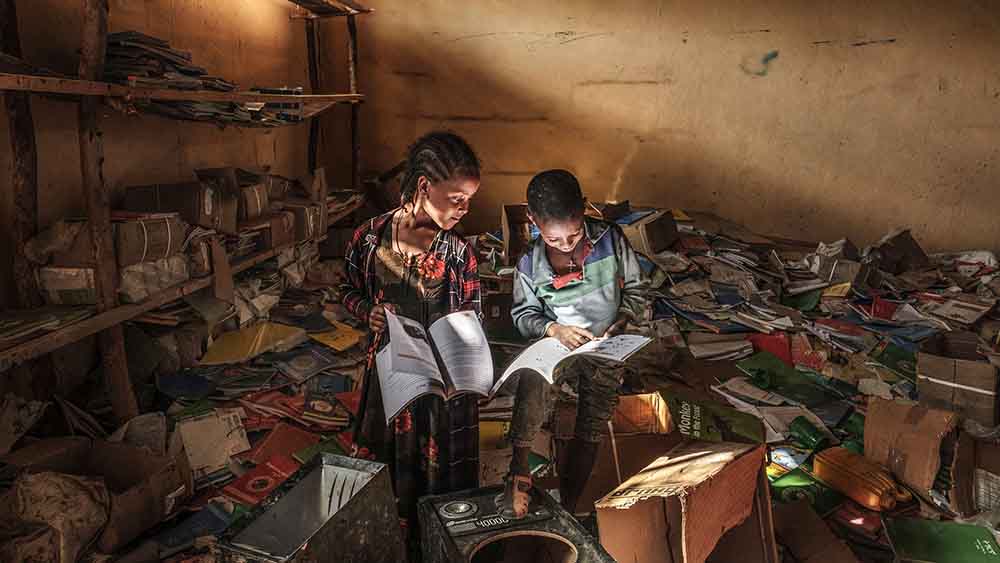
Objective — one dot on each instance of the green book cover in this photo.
(768, 372)
(713, 422)
(797, 485)
(915, 540)
(330, 446)
(896, 359)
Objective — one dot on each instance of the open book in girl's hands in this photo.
(450, 358)
(548, 355)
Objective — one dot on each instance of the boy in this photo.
(579, 280)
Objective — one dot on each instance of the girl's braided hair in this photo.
(438, 156)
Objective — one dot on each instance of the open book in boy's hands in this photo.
(548, 355)
(450, 358)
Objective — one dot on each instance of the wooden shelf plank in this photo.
(331, 8)
(92, 325)
(49, 85)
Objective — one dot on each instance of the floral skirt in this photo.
(431, 447)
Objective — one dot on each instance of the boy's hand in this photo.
(376, 318)
(570, 336)
(617, 328)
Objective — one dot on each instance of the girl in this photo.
(409, 261)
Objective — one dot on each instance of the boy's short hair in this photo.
(555, 194)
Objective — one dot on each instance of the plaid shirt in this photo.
(363, 287)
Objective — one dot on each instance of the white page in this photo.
(742, 386)
(541, 357)
(401, 388)
(780, 418)
(617, 348)
(406, 366)
(464, 351)
(411, 349)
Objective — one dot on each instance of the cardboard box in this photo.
(277, 229)
(652, 234)
(135, 240)
(309, 219)
(324, 212)
(987, 490)
(701, 501)
(197, 203)
(145, 489)
(645, 413)
(634, 453)
(802, 532)
(67, 286)
(951, 375)
(516, 229)
(223, 181)
(914, 441)
(253, 201)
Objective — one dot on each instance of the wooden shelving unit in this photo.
(92, 325)
(87, 90)
(50, 85)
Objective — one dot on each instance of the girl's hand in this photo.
(570, 336)
(376, 318)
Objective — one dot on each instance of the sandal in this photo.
(513, 503)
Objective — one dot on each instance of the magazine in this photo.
(450, 358)
(548, 355)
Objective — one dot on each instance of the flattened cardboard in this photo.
(807, 536)
(145, 488)
(907, 440)
(951, 375)
(680, 506)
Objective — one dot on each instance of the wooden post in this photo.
(312, 45)
(24, 180)
(352, 58)
(39, 373)
(111, 341)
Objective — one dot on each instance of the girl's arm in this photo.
(354, 293)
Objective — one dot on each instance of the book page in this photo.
(411, 347)
(399, 389)
(617, 348)
(464, 351)
(541, 357)
(406, 366)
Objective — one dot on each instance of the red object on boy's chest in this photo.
(562, 281)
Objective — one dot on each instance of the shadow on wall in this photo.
(802, 126)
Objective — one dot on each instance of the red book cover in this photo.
(351, 401)
(256, 484)
(284, 440)
(776, 344)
